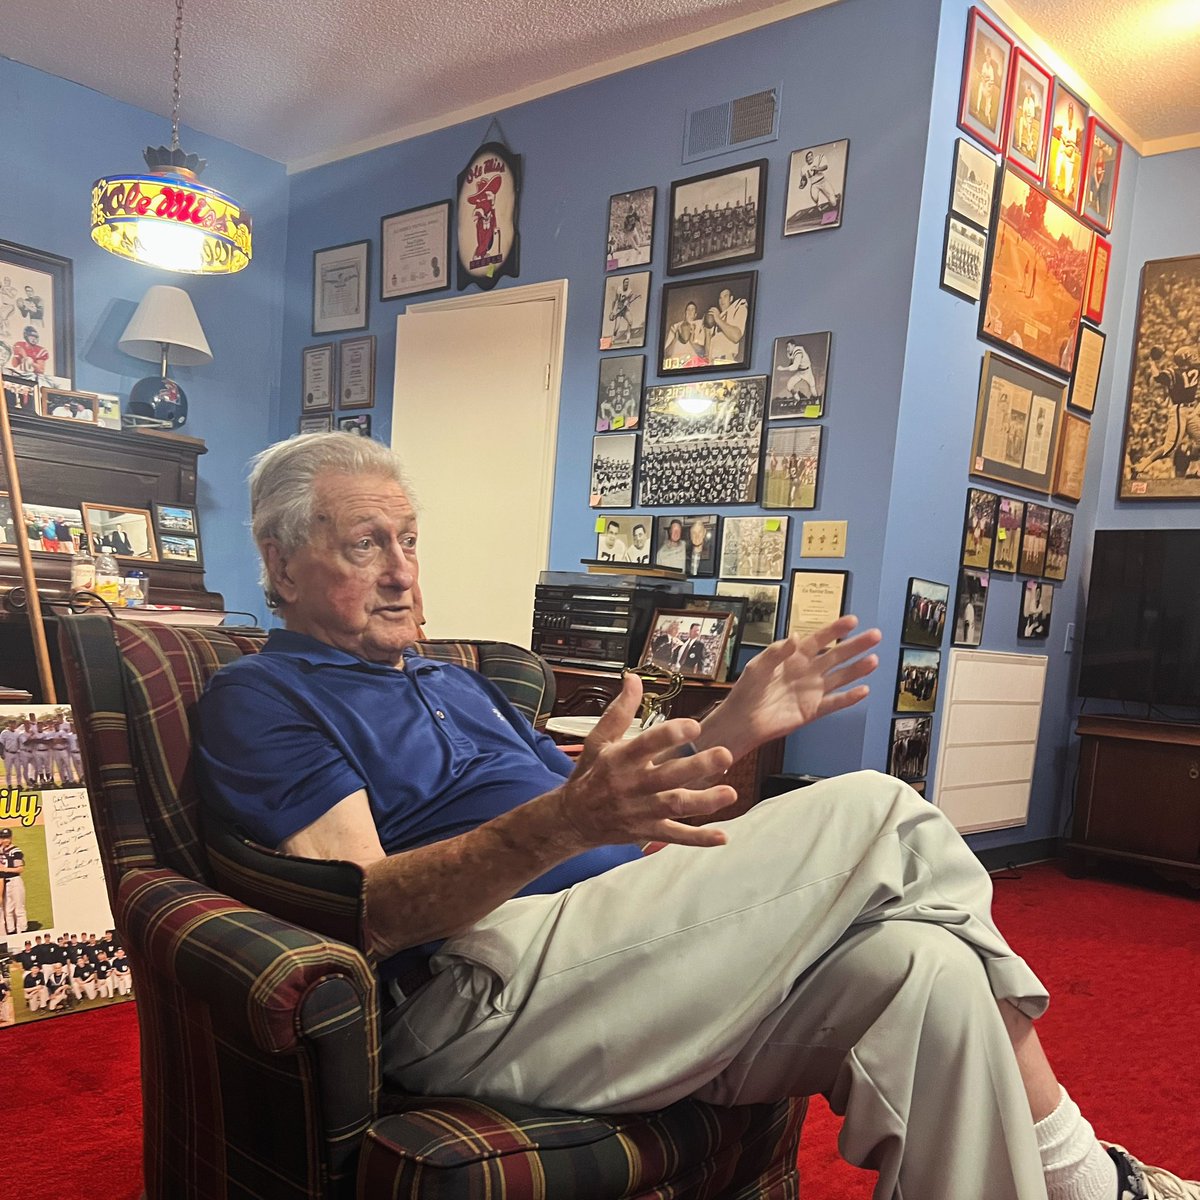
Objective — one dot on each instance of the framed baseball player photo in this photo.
(979, 527)
(707, 324)
(799, 376)
(1028, 133)
(619, 392)
(1034, 539)
(816, 188)
(717, 218)
(689, 643)
(1064, 167)
(984, 90)
(1101, 167)
(630, 229)
(623, 317)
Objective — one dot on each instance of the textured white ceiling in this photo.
(303, 80)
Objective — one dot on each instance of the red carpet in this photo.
(1122, 962)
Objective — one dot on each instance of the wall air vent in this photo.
(733, 125)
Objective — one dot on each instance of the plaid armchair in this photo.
(260, 1017)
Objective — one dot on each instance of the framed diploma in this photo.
(340, 297)
(356, 372)
(818, 597)
(415, 251)
(316, 387)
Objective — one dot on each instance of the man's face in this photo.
(610, 534)
(29, 291)
(352, 586)
(31, 336)
(694, 631)
(725, 299)
(639, 536)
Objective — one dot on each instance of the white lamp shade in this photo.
(166, 316)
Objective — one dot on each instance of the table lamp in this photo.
(164, 325)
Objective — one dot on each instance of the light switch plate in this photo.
(823, 539)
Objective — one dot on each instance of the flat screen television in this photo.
(1141, 634)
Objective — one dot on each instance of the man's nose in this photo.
(401, 571)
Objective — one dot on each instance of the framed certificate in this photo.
(356, 372)
(340, 299)
(818, 598)
(316, 386)
(415, 251)
(1086, 378)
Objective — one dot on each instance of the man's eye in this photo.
(363, 544)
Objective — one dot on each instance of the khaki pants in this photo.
(840, 943)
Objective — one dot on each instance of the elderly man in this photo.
(835, 940)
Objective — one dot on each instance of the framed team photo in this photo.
(753, 547)
(1097, 281)
(717, 218)
(624, 538)
(623, 318)
(979, 527)
(964, 251)
(925, 612)
(341, 282)
(630, 229)
(1068, 125)
(1016, 424)
(613, 458)
(917, 681)
(984, 90)
(1101, 167)
(1028, 107)
(687, 642)
(973, 184)
(791, 467)
(816, 188)
(702, 441)
(619, 392)
(762, 609)
(970, 607)
(1085, 379)
(687, 543)
(1071, 466)
(1037, 602)
(1036, 269)
(799, 376)
(908, 754)
(1160, 455)
(707, 324)
(1034, 539)
(1058, 545)
(1010, 517)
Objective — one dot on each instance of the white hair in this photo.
(283, 486)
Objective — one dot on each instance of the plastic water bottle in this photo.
(108, 578)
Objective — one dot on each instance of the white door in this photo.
(475, 420)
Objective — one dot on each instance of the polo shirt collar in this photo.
(320, 654)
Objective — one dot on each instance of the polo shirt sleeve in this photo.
(265, 763)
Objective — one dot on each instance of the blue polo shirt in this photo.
(287, 733)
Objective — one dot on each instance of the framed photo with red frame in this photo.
(1097, 281)
(1027, 133)
(1101, 167)
(1068, 131)
(984, 93)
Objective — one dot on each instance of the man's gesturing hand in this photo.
(639, 789)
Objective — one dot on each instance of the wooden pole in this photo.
(33, 602)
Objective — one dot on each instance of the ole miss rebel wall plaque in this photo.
(489, 191)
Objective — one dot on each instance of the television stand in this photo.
(1139, 796)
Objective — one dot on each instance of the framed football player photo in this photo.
(753, 547)
(791, 466)
(707, 324)
(717, 218)
(630, 229)
(37, 309)
(816, 188)
(799, 376)
(984, 90)
(623, 317)
(619, 392)
(613, 458)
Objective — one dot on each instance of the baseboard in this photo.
(1023, 854)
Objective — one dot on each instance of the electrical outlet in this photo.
(823, 539)
(1069, 641)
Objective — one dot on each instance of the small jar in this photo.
(133, 589)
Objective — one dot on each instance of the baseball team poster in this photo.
(59, 952)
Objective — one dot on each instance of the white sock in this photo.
(1076, 1166)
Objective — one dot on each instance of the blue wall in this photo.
(68, 136)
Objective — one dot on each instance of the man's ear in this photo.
(277, 571)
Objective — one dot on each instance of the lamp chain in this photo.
(178, 59)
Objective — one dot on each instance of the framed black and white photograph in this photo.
(623, 318)
(176, 519)
(791, 466)
(1035, 538)
(123, 532)
(972, 184)
(816, 188)
(359, 424)
(619, 392)
(753, 547)
(963, 254)
(925, 612)
(37, 322)
(702, 441)
(317, 384)
(908, 754)
(707, 324)
(717, 218)
(1010, 519)
(1058, 544)
(691, 643)
(687, 543)
(1037, 601)
(917, 681)
(356, 372)
(762, 609)
(817, 599)
(54, 528)
(414, 251)
(630, 229)
(979, 528)
(799, 376)
(322, 423)
(341, 278)
(624, 538)
(970, 607)
(613, 458)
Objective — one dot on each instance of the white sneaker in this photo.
(1137, 1181)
